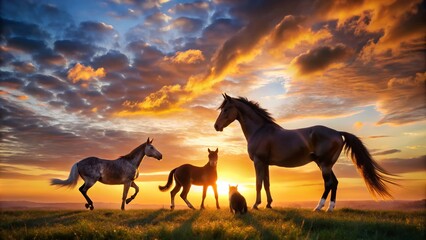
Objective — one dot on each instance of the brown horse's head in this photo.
(150, 150)
(213, 157)
(228, 113)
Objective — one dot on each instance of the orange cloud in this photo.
(81, 72)
(190, 56)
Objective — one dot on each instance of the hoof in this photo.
(268, 206)
(255, 207)
(89, 206)
(218, 208)
(172, 208)
(128, 200)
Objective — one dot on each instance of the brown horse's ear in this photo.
(151, 140)
(147, 141)
(208, 149)
(217, 150)
(236, 186)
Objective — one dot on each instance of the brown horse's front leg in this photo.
(204, 196)
(125, 191)
(216, 196)
(259, 167)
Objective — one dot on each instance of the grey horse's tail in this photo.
(374, 175)
(70, 182)
(169, 181)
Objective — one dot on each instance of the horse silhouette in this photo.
(270, 144)
(123, 170)
(187, 174)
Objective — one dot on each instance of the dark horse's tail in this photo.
(374, 175)
(70, 182)
(169, 181)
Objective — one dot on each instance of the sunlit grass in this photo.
(212, 224)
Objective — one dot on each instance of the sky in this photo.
(97, 78)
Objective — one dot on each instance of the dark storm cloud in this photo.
(321, 58)
(112, 61)
(75, 49)
(26, 45)
(5, 56)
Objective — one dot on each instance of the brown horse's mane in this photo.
(133, 153)
(255, 107)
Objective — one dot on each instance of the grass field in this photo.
(280, 223)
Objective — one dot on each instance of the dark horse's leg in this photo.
(330, 184)
(259, 167)
(125, 191)
(184, 194)
(204, 196)
(266, 185)
(216, 196)
(83, 189)
(133, 185)
(175, 190)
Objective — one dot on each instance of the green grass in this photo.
(277, 223)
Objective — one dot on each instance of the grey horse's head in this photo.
(151, 151)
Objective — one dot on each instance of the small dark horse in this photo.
(270, 144)
(187, 174)
(123, 170)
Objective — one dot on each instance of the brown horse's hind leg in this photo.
(173, 193)
(133, 185)
(266, 184)
(184, 194)
(83, 189)
(259, 167)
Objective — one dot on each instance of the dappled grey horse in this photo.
(123, 170)
(270, 144)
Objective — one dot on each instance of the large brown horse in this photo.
(270, 144)
(187, 174)
(123, 170)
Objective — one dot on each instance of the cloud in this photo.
(185, 25)
(75, 49)
(386, 152)
(112, 61)
(81, 72)
(321, 58)
(404, 100)
(190, 56)
(22, 29)
(49, 58)
(25, 67)
(25, 44)
(198, 9)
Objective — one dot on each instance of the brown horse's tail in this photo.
(70, 182)
(169, 181)
(374, 175)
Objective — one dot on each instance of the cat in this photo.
(237, 203)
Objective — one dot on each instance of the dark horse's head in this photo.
(228, 113)
(213, 157)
